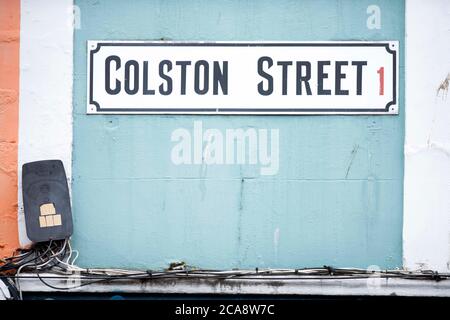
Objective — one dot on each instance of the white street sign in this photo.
(145, 77)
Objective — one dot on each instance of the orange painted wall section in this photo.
(9, 112)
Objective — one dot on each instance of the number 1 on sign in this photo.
(381, 74)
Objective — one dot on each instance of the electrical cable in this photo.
(57, 258)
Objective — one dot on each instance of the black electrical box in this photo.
(46, 201)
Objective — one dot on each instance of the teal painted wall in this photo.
(336, 200)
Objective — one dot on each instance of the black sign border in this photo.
(262, 111)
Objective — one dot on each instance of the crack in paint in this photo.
(353, 154)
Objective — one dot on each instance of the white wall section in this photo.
(46, 76)
(426, 236)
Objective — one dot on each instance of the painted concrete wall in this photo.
(231, 216)
(9, 110)
(336, 200)
(46, 59)
(427, 142)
